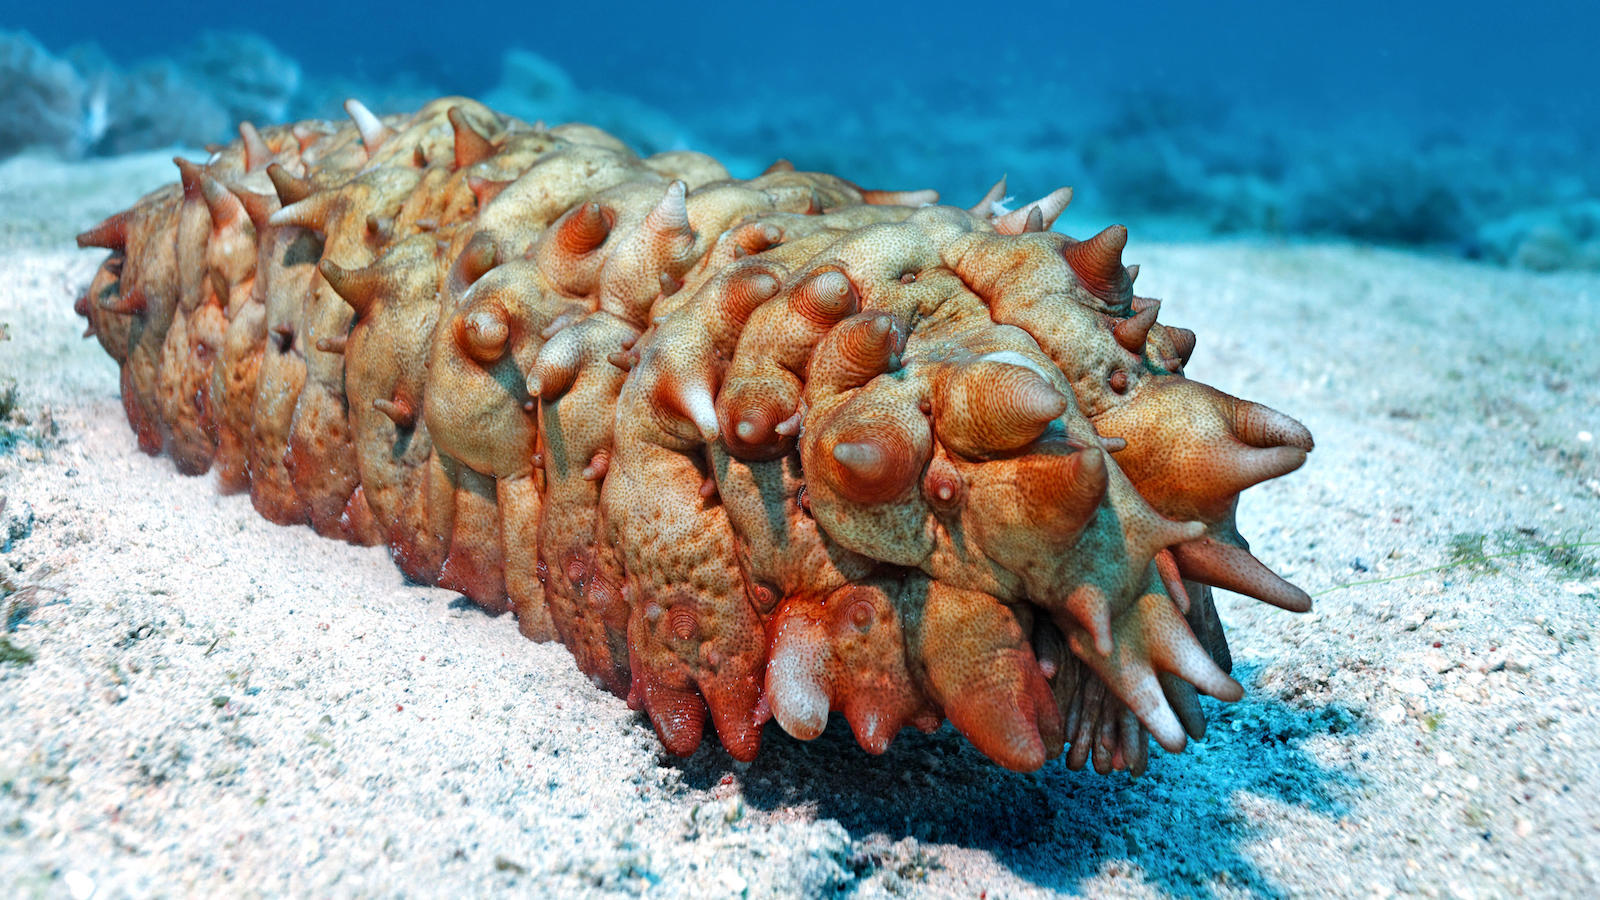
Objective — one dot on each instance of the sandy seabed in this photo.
(194, 701)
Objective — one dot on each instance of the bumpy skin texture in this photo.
(751, 450)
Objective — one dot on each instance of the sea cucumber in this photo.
(752, 450)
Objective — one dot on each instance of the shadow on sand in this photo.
(1181, 825)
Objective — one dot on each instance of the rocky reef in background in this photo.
(80, 103)
(1181, 164)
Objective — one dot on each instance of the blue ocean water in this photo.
(1463, 126)
(1435, 57)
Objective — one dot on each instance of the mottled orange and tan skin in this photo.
(581, 573)
(751, 449)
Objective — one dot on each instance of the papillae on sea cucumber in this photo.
(752, 450)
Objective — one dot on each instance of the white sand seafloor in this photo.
(197, 702)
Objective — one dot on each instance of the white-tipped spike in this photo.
(1161, 722)
(672, 213)
(556, 367)
(1050, 207)
(799, 702)
(373, 131)
(986, 207)
(702, 411)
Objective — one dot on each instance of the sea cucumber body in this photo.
(751, 450)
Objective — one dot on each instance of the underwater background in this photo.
(1469, 129)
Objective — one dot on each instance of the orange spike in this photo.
(869, 466)
(790, 427)
(1090, 608)
(226, 209)
(780, 165)
(1098, 264)
(485, 189)
(482, 334)
(995, 407)
(874, 462)
(256, 152)
(943, 485)
(900, 198)
(1132, 332)
(333, 344)
(825, 297)
(471, 147)
(259, 207)
(291, 188)
(312, 212)
(623, 359)
(585, 229)
(189, 175)
(755, 420)
(399, 411)
(112, 234)
(1184, 341)
(1174, 648)
(556, 367)
(755, 237)
(1231, 568)
(1237, 468)
(598, 466)
(479, 257)
(1069, 489)
(860, 349)
(743, 291)
(130, 303)
(359, 287)
(1172, 580)
(798, 681)
(1263, 426)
